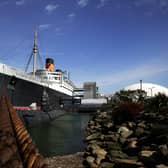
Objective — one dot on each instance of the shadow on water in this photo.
(62, 136)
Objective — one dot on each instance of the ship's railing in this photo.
(53, 78)
(36, 79)
(18, 73)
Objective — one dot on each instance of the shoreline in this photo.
(71, 161)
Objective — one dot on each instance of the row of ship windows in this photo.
(49, 73)
(56, 78)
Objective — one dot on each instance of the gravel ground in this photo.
(67, 161)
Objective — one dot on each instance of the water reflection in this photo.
(61, 136)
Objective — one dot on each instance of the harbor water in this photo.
(61, 136)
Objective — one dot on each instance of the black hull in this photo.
(23, 92)
(31, 118)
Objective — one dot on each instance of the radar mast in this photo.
(35, 51)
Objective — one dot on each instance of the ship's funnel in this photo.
(50, 64)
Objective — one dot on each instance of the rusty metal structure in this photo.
(17, 149)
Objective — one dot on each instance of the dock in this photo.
(91, 105)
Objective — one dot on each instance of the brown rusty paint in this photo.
(38, 162)
(24, 146)
(21, 132)
(24, 138)
(8, 145)
(16, 146)
(28, 140)
(29, 150)
(31, 159)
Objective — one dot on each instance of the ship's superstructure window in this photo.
(55, 77)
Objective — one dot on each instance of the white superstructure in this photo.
(53, 80)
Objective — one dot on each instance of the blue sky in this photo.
(112, 42)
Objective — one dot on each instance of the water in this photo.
(62, 136)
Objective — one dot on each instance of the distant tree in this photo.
(157, 103)
(126, 96)
(134, 96)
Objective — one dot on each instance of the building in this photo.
(90, 90)
(150, 88)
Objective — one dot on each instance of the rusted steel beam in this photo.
(16, 145)
(9, 152)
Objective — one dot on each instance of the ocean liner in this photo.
(43, 88)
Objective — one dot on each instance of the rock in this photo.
(122, 140)
(139, 131)
(146, 153)
(93, 146)
(100, 153)
(113, 145)
(161, 166)
(116, 154)
(106, 165)
(124, 131)
(148, 158)
(164, 150)
(131, 124)
(91, 122)
(109, 125)
(129, 163)
(127, 141)
(103, 114)
(90, 160)
(113, 137)
(130, 147)
(93, 136)
(142, 124)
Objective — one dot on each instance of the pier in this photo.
(91, 105)
(16, 146)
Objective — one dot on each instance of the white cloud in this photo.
(71, 16)
(51, 7)
(20, 2)
(44, 26)
(58, 31)
(163, 5)
(132, 74)
(102, 3)
(83, 3)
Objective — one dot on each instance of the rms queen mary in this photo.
(42, 87)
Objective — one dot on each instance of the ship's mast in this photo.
(35, 51)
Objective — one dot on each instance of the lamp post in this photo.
(151, 89)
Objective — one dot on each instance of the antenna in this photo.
(69, 75)
(34, 54)
(35, 51)
(140, 84)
